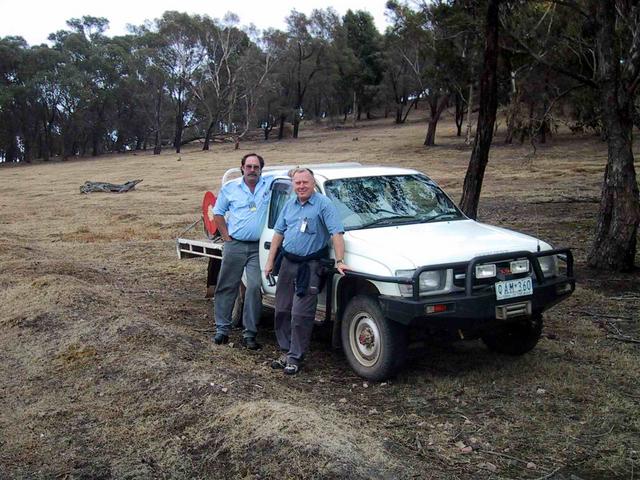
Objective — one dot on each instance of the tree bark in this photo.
(296, 124)
(437, 106)
(486, 116)
(157, 146)
(614, 246)
(207, 137)
(467, 139)
(177, 142)
(459, 114)
(281, 128)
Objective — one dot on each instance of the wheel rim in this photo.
(364, 339)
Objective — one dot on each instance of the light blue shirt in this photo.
(245, 211)
(307, 227)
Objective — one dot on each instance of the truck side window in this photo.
(280, 192)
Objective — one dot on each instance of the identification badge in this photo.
(303, 226)
(252, 206)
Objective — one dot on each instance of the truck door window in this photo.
(280, 193)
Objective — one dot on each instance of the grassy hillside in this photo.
(107, 369)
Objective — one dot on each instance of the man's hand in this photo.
(268, 268)
(342, 267)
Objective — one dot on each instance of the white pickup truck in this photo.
(419, 266)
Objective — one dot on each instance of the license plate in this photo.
(519, 287)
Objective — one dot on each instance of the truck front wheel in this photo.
(515, 338)
(374, 345)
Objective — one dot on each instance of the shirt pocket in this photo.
(312, 225)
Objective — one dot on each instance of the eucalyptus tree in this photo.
(364, 40)
(269, 102)
(306, 57)
(13, 51)
(87, 83)
(180, 56)
(457, 27)
(399, 83)
(487, 114)
(425, 58)
(602, 37)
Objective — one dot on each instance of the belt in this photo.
(245, 241)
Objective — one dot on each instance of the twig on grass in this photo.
(602, 315)
(622, 338)
(504, 455)
(568, 199)
(548, 475)
(544, 477)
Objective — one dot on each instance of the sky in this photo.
(35, 20)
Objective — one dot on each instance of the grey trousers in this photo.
(236, 256)
(294, 315)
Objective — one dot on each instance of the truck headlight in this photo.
(486, 271)
(549, 265)
(429, 281)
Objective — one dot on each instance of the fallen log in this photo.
(90, 187)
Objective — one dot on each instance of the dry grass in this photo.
(107, 369)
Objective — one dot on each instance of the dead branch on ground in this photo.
(90, 187)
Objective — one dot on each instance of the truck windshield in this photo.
(369, 202)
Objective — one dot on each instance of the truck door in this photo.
(280, 193)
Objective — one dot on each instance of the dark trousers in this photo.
(295, 315)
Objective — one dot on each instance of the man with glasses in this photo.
(240, 213)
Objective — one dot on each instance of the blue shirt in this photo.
(307, 227)
(245, 211)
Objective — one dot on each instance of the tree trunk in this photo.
(437, 106)
(207, 137)
(512, 110)
(157, 146)
(281, 128)
(614, 246)
(486, 116)
(355, 106)
(459, 114)
(296, 124)
(177, 142)
(399, 110)
(467, 139)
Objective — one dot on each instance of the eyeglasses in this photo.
(252, 167)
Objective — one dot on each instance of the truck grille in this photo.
(503, 272)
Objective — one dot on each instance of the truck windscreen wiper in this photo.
(440, 216)
(382, 221)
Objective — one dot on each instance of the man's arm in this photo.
(219, 209)
(276, 241)
(338, 248)
(221, 223)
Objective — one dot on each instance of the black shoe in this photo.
(279, 363)
(251, 344)
(220, 339)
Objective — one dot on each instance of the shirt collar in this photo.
(310, 201)
(244, 185)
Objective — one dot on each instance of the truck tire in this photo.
(238, 307)
(374, 345)
(515, 338)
